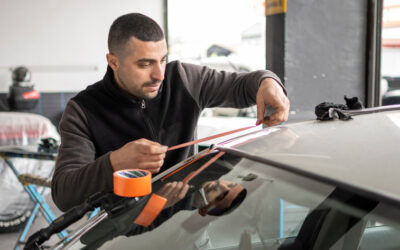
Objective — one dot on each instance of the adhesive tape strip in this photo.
(132, 182)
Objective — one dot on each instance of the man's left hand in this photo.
(270, 93)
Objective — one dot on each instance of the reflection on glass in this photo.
(208, 195)
(238, 203)
(219, 197)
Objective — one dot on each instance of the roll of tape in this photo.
(150, 212)
(132, 182)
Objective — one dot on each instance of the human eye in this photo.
(222, 196)
(144, 64)
(216, 185)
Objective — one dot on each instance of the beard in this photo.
(150, 95)
(152, 83)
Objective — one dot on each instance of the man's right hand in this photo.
(141, 154)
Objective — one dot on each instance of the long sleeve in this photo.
(212, 88)
(78, 174)
(83, 166)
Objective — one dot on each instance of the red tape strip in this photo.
(209, 138)
(204, 166)
(209, 162)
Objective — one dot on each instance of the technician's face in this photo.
(217, 190)
(141, 67)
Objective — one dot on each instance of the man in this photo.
(141, 107)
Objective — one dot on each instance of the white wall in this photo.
(63, 42)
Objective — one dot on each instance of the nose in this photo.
(158, 72)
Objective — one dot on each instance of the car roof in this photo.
(362, 153)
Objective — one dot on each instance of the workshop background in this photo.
(322, 50)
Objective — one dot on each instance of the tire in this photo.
(16, 223)
(15, 216)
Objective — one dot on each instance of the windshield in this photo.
(269, 209)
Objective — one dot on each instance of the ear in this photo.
(113, 61)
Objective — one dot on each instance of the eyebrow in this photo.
(150, 59)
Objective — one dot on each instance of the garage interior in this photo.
(321, 50)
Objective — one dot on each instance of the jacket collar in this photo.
(123, 96)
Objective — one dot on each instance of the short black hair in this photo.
(133, 24)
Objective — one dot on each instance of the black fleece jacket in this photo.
(102, 118)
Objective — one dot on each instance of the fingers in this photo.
(276, 118)
(167, 189)
(260, 112)
(173, 192)
(271, 93)
(142, 154)
(183, 191)
(151, 147)
(280, 115)
(153, 167)
(176, 189)
(150, 158)
(281, 112)
(151, 155)
(151, 162)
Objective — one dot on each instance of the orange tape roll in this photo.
(132, 182)
(150, 212)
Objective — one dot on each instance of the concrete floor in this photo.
(8, 240)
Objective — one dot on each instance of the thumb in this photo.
(260, 111)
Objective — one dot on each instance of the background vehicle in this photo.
(392, 95)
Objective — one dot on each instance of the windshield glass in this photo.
(268, 208)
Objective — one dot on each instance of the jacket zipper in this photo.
(143, 104)
(147, 121)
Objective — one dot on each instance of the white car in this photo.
(309, 185)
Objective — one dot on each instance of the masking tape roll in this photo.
(132, 182)
(151, 210)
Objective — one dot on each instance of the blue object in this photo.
(281, 218)
(36, 197)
